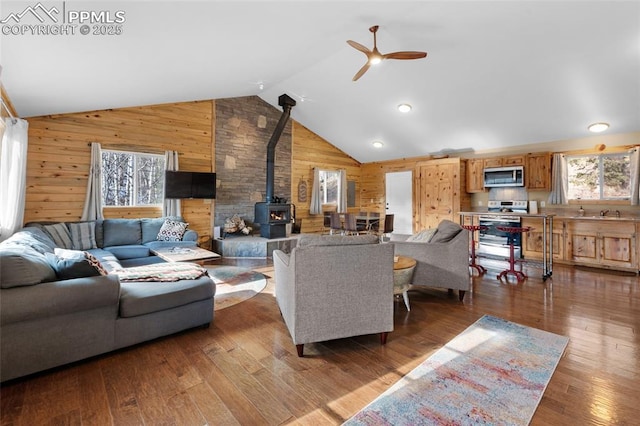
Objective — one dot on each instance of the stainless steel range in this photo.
(493, 242)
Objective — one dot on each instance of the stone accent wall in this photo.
(243, 129)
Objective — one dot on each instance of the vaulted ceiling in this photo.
(498, 74)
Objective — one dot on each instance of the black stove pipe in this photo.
(286, 103)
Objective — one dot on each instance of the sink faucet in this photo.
(618, 214)
(604, 212)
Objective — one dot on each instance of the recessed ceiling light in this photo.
(598, 127)
(404, 108)
(377, 144)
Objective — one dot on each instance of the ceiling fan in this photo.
(375, 57)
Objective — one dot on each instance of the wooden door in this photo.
(439, 191)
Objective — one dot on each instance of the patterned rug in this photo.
(234, 285)
(494, 372)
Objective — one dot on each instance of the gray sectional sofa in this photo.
(53, 313)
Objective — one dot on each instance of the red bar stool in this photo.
(472, 261)
(512, 231)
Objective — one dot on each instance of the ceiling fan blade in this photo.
(405, 55)
(362, 71)
(359, 47)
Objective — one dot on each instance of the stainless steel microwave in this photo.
(504, 176)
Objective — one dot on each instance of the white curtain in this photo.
(342, 201)
(634, 157)
(559, 183)
(171, 206)
(316, 197)
(93, 201)
(13, 175)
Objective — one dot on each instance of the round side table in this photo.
(403, 267)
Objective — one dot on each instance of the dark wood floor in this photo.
(244, 368)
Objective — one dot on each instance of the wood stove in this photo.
(274, 214)
(273, 219)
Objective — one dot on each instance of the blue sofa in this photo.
(51, 315)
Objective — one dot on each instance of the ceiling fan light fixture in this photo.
(598, 127)
(404, 108)
(377, 144)
(375, 60)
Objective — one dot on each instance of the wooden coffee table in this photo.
(184, 254)
(403, 267)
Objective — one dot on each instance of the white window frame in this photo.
(135, 156)
(323, 187)
(600, 156)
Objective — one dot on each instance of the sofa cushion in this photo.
(121, 232)
(74, 264)
(83, 235)
(33, 238)
(150, 228)
(60, 234)
(335, 240)
(131, 251)
(172, 230)
(107, 259)
(140, 298)
(23, 266)
(59, 298)
(447, 230)
(423, 236)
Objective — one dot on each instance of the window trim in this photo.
(600, 200)
(323, 194)
(135, 181)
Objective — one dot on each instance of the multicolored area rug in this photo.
(494, 372)
(235, 284)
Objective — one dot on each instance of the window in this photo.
(599, 176)
(330, 186)
(132, 179)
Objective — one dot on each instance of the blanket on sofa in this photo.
(171, 271)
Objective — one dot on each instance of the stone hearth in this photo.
(253, 246)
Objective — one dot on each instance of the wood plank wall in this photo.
(309, 151)
(59, 155)
(373, 182)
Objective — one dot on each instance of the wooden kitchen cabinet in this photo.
(602, 243)
(475, 175)
(441, 191)
(532, 240)
(537, 172)
(513, 160)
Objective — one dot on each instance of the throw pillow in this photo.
(60, 235)
(447, 230)
(422, 236)
(69, 264)
(83, 235)
(172, 230)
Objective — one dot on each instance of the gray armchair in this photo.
(332, 287)
(443, 261)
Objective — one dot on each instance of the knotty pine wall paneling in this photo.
(309, 151)
(373, 183)
(59, 156)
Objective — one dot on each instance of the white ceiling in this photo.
(498, 74)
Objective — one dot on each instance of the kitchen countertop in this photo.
(485, 213)
(555, 216)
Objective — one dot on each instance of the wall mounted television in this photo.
(179, 184)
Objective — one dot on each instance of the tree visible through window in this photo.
(132, 179)
(599, 176)
(330, 186)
